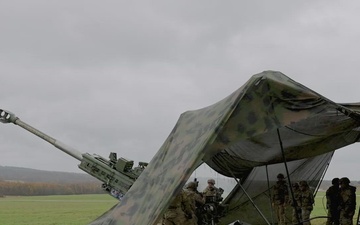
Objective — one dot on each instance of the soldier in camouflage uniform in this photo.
(211, 190)
(306, 202)
(295, 203)
(179, 212)
(333, 202)
(347, 201)
(280, 196)
(196, 200)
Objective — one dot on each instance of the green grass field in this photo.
(82, 209)
(320, 209)
(53, 210)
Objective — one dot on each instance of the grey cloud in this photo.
(116, 75)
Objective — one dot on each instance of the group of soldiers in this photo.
(187, 208)
(302, 201)
(341, 201)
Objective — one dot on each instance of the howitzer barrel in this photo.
(8, 117)
(117, 174)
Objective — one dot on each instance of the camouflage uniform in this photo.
(333, 202)
(196, 200)
(279, 198)
(296, 211)
(347, 202)
(179, 211)
(306, 202)
(212, 197)
(210, 191)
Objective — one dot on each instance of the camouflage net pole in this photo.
(268, 184)
(288, 177)
(247, 195)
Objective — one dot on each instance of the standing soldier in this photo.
(295, 203)
(196, 201)
(333, 202)
(179, 212)
(347, 201)
(306, 202)
(280, 196)
(211, 190)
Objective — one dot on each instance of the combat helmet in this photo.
(345, 180)
(335, 181)
(191, 185)
(303, 183)
(212, 181)
(280, 176)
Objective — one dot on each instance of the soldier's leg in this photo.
(277, 214)
(329, 220)
(305, 214)
(296, 215)
(282, 214)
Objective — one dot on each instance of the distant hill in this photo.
(9, 173)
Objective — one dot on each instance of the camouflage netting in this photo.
(240, 136)
(258, 187)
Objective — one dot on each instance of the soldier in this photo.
(347, 201)
(306, 202)
(196, 200)
(333, 202)
(179, 212)
(212, 197)
(295, 203)
(211, 190)
(280, 196)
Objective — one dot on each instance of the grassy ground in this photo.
(82, 209)
(320, 209)
(53, 210)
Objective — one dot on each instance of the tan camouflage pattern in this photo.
(210, 191)
(179, 210)
(235, 135)
(295, 204)
(347, 204)
(279, 198)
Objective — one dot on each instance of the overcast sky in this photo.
(114, 76)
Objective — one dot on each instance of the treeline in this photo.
(36, 189)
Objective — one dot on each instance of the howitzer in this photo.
(118, 175)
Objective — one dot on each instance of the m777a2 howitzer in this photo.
(118, 175)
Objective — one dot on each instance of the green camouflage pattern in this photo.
(235, 135)
(269, 120)
(172, 166)
(259, 184)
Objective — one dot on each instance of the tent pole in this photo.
(247, 195)
(271, 207)
(288, 176)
